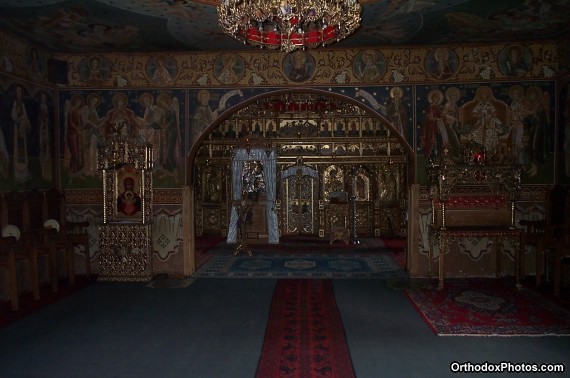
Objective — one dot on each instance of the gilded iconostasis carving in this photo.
(421, 100)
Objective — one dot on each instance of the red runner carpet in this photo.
(304, 336)
(489, 307)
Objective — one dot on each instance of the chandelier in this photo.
(289, 24)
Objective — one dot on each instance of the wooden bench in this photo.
(16, 251)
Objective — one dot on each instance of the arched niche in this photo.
(281, 103)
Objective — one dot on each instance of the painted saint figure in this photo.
(487, 126)
(442, 66)
(150, 127)
(75, 121)
(396, 111)
(450, 116)
(433, 123)
(227, 73)
(535, 125)
(22, 129)
(46, 161)
(91, 134)
(514, 64)
(369, 69)
(300, 67)
(161, 73)
(120, 120)
(518, 110)
(168, 123)
(203, 115)
(94, 73)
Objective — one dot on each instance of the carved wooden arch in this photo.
(408, 150)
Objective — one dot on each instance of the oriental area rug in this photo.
(304, 337)
(489, 307)
(280, 265)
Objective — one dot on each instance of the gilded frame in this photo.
(127, 181)
(129, 197)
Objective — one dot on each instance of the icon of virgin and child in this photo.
(129, 201)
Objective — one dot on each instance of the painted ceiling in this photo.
(88, 26)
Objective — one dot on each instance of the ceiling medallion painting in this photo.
(290, 24)
(229, 68)
(369, 65)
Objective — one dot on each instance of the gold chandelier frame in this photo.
(289, 25)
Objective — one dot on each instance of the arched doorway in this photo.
(324, 130)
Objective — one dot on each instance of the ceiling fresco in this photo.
(98, 26)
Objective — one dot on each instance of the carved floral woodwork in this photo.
(331, 137)
(125, 235)
(472, 198)
(124, 252)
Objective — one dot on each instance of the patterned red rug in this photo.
(304, 336)
(489, 307)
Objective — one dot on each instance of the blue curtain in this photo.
(269, 162)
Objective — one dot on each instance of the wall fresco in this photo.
(515, 121)
(171, 99)
(384, 79)
(22, 60)
(326, 67)
(88, 118)
(27, 137)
